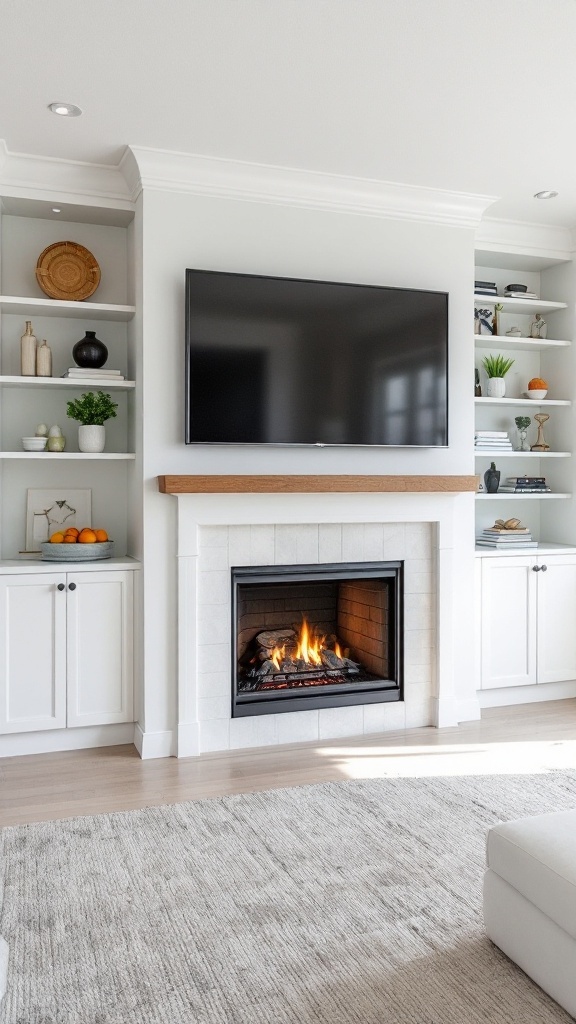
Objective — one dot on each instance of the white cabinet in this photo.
(528, 617)
(67, 649)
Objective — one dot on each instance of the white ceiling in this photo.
(456, 94)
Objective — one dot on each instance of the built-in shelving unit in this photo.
(550, 357)
(27, 226)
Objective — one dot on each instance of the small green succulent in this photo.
(497, 366)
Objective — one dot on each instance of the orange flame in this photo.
(309, 648)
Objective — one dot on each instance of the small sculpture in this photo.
(538, 327)
(540, 445)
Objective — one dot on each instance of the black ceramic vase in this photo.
(90, 352)
(492, 479)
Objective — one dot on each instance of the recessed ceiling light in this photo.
(546, 194)
(65, 109)
(56, 209)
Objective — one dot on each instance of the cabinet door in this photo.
(508, 622)
(556, 618)
(33, 652)
(99, 647)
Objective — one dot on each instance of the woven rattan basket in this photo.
(66, 270)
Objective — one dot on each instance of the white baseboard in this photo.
(152, 745)
(526, 694)
(16, 744)
(468, 710)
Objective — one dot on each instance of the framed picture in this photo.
(483, 320)
(50, 510)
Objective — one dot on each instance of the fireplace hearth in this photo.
(315, 636)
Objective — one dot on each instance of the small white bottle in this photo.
(44, 360)
(28, 352)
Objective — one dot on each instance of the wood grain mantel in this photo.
(323, 484)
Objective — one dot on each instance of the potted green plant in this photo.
(92, 410)
(496, 367)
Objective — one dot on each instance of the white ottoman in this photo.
(530, 899)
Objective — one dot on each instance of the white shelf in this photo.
(528, 344)
(518, 305)
(489, 454)
(522, 497)
(66, 382)
(59, 307)
(544, 548)
(65, 456)
(519, 401)
(27, 564)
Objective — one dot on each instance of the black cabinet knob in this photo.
(536, 568)
(72, 586)
(61, 586)
(544, 568)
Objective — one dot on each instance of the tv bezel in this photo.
(307, 444)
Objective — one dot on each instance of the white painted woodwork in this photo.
(557, 618)
(512, 305)
(508, 647)
(99, 648)
(67, 655)
(33, 653)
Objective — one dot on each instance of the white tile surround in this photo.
(216, 532)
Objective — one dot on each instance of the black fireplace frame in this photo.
(280, 701)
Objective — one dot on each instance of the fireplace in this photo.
(315, 636)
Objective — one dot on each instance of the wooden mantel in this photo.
(323, 484)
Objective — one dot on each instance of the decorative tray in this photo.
(66, 270)
(77, 552)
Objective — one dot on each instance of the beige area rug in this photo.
(343, 903)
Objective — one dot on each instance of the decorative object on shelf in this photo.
(522, 423)
(44, 360)
(507, 534)
(514, 332)
(492, 441)
(496, 367)
(92, 410)
(537, 389)
(482, 321)
(77, 552)
(518, 288)
(41, 430)
(485, 288)
(538, 327)
(49, 509)
(67, 270)
(90, 352)
(28, 352)
(34, 444)
(55, 431)
(541, 445)
(477, 387)
(496, 318)
(56, 443)
(492, 478)
(525, 485)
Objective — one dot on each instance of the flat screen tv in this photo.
(283, 361)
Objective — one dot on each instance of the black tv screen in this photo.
(273, 360)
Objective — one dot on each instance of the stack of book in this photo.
(81, 373)
(485, 288)
(525, 485)
(492, 441)
(519, 295)
(509, 540)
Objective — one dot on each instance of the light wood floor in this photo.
(522, 739)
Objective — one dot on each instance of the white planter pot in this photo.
(91, 438)
(496, 387)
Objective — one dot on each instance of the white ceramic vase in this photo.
(496, 387)
(91, 438)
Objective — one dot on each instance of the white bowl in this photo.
(34, 444)
(537, 394)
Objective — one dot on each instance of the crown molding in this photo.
(284, 186)
(23, 175)
(552, 241)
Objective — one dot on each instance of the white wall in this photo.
(181, 231)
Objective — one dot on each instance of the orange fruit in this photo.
(87, 536)
(101, 535)
(57, 538)
(69, 538)
(71, 531)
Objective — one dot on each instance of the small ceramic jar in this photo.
(56, 443)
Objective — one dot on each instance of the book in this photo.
(485, 291)
(528, 481)
(520, 295)
(83, 371)
(503, 539)
(496, 545)
(524, 490)
(491, 433)
(484, 284)
(495, 532)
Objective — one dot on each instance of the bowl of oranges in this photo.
(537, 389)
(74, 545)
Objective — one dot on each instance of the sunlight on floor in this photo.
(510, 758)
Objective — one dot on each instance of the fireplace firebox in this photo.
(315, 636)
